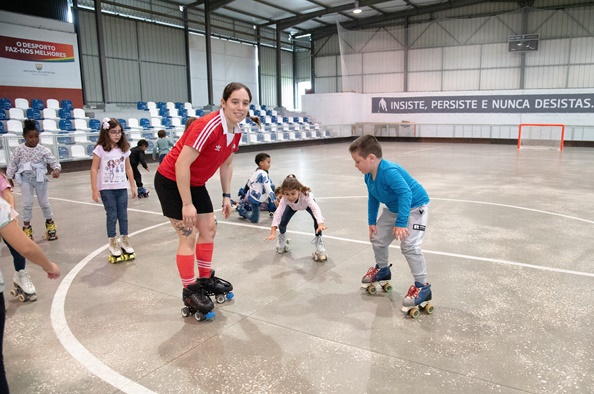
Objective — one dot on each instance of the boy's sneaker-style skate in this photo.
(375, 277)
(217, 287)
(320, 253)
(127, 249)
(28, 231)
(197, 303)
(115, 251)
(23, 287)
(418, 297)
(142, 192)
(50, 230)
(282, 243)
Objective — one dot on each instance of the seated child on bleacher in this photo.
(258, 193)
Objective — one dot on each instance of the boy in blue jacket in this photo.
(404, 218)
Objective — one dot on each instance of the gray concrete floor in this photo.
(509, 252)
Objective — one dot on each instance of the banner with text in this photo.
(529, 103)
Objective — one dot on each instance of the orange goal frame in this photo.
(542, 125)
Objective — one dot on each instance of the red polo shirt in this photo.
(209, 136)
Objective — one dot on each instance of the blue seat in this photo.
(141, 105)
(66, 104)
(63, 152)
(164, 112)
(38, 126)
(199, 112)
(2, 131)
(65, 138)
(124, 124)
(90, 149)
(179, 106)
(161, 104)
(252, 107)
(33, 113)
(166, 122)
(94, 124)
(93, 137)
(64, 113)
(65, 125)
(146, 135)
(37, 104)
(5, 103)
(182, 112)
(263, 107)
(145, 123)
(3, 115)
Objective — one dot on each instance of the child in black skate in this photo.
(109, 169)
(297, 197)
(258, 191)
(137, 157)
(404, 218)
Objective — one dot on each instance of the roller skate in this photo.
(320, 253)
(28, 231)
(197, 303)
(282, 244)
(142, 192)
(217, 287)
(23, 287)
(50, 230)
(416, 299)
(127, 250)
(115, 251)
(375, 277)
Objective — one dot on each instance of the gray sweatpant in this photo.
(28, 188)
(409, 246)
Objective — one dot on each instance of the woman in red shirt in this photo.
(206, 146)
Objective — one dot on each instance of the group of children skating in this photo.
(114, 170)
(404, 217)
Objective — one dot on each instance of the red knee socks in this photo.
(204, 259)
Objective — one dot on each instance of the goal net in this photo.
(541, 136)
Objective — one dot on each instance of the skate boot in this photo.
(320, 253)
(418, 297)
(115, 251)
(28, 231)
(242, 211)
(142, 192)
(50, 230)
(197, 303)
(375, 277)
(282, 244)
(127, 249)
(23, 287)
(217, 287)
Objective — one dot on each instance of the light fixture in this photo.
(357, 10)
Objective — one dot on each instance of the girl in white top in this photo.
(296, 197)
(110, 167)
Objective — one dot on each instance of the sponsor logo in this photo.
(418, 227)
(39, 66)
(218, 148)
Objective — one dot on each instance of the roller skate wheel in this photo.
(33, 297)
(271, 214)
(428, 308)
(185, 312)
(315, 256)
(220, 298)
(323, 258)
(22, 298)
(371, 289)
(414, 313)
(13, 292)
(111, 259)
(230, 295)
(387, 288)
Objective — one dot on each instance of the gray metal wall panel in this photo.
(268, 90)
(121, 41)
(88, 33)
(161, 44)
(92, 79)
(303, 66)
(123, 81)
(164, 82)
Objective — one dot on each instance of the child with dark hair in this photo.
(28, 165)
(258, 190)
(297, 197)
(162, 146)
(109, 170)
(137, 157)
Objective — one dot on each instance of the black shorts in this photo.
(171, 202)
